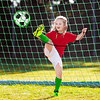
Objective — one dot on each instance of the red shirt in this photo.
(61, 41)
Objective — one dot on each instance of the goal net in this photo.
(21, 54)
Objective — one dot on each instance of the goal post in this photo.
(22, 60)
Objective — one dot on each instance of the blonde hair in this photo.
(53, 28)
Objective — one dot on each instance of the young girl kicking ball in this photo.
(55, 42)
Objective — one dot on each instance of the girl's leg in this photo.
(58, 69)
(58, 79)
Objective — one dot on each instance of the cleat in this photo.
(38, 31)
(55, 94)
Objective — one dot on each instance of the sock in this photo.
(57, 84)
(44, 38)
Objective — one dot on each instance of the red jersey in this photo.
(60, 41)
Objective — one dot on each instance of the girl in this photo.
(55, 42)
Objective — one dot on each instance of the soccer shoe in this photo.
(55, 94)
(38, 31)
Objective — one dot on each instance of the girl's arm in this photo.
(81, 35)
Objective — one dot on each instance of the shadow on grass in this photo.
(45, 98)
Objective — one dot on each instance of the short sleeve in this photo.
(72, 37)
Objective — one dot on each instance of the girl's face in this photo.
(59, 24)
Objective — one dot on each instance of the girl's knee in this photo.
(50, 43)
(58, 71)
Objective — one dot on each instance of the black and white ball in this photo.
(22, 18)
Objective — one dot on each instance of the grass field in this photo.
(34, 92)
(76, 72)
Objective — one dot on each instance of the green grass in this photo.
(35, 92)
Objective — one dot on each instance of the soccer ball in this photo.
(22, 18)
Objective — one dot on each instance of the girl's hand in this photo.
(84, 30)
(81, 35)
